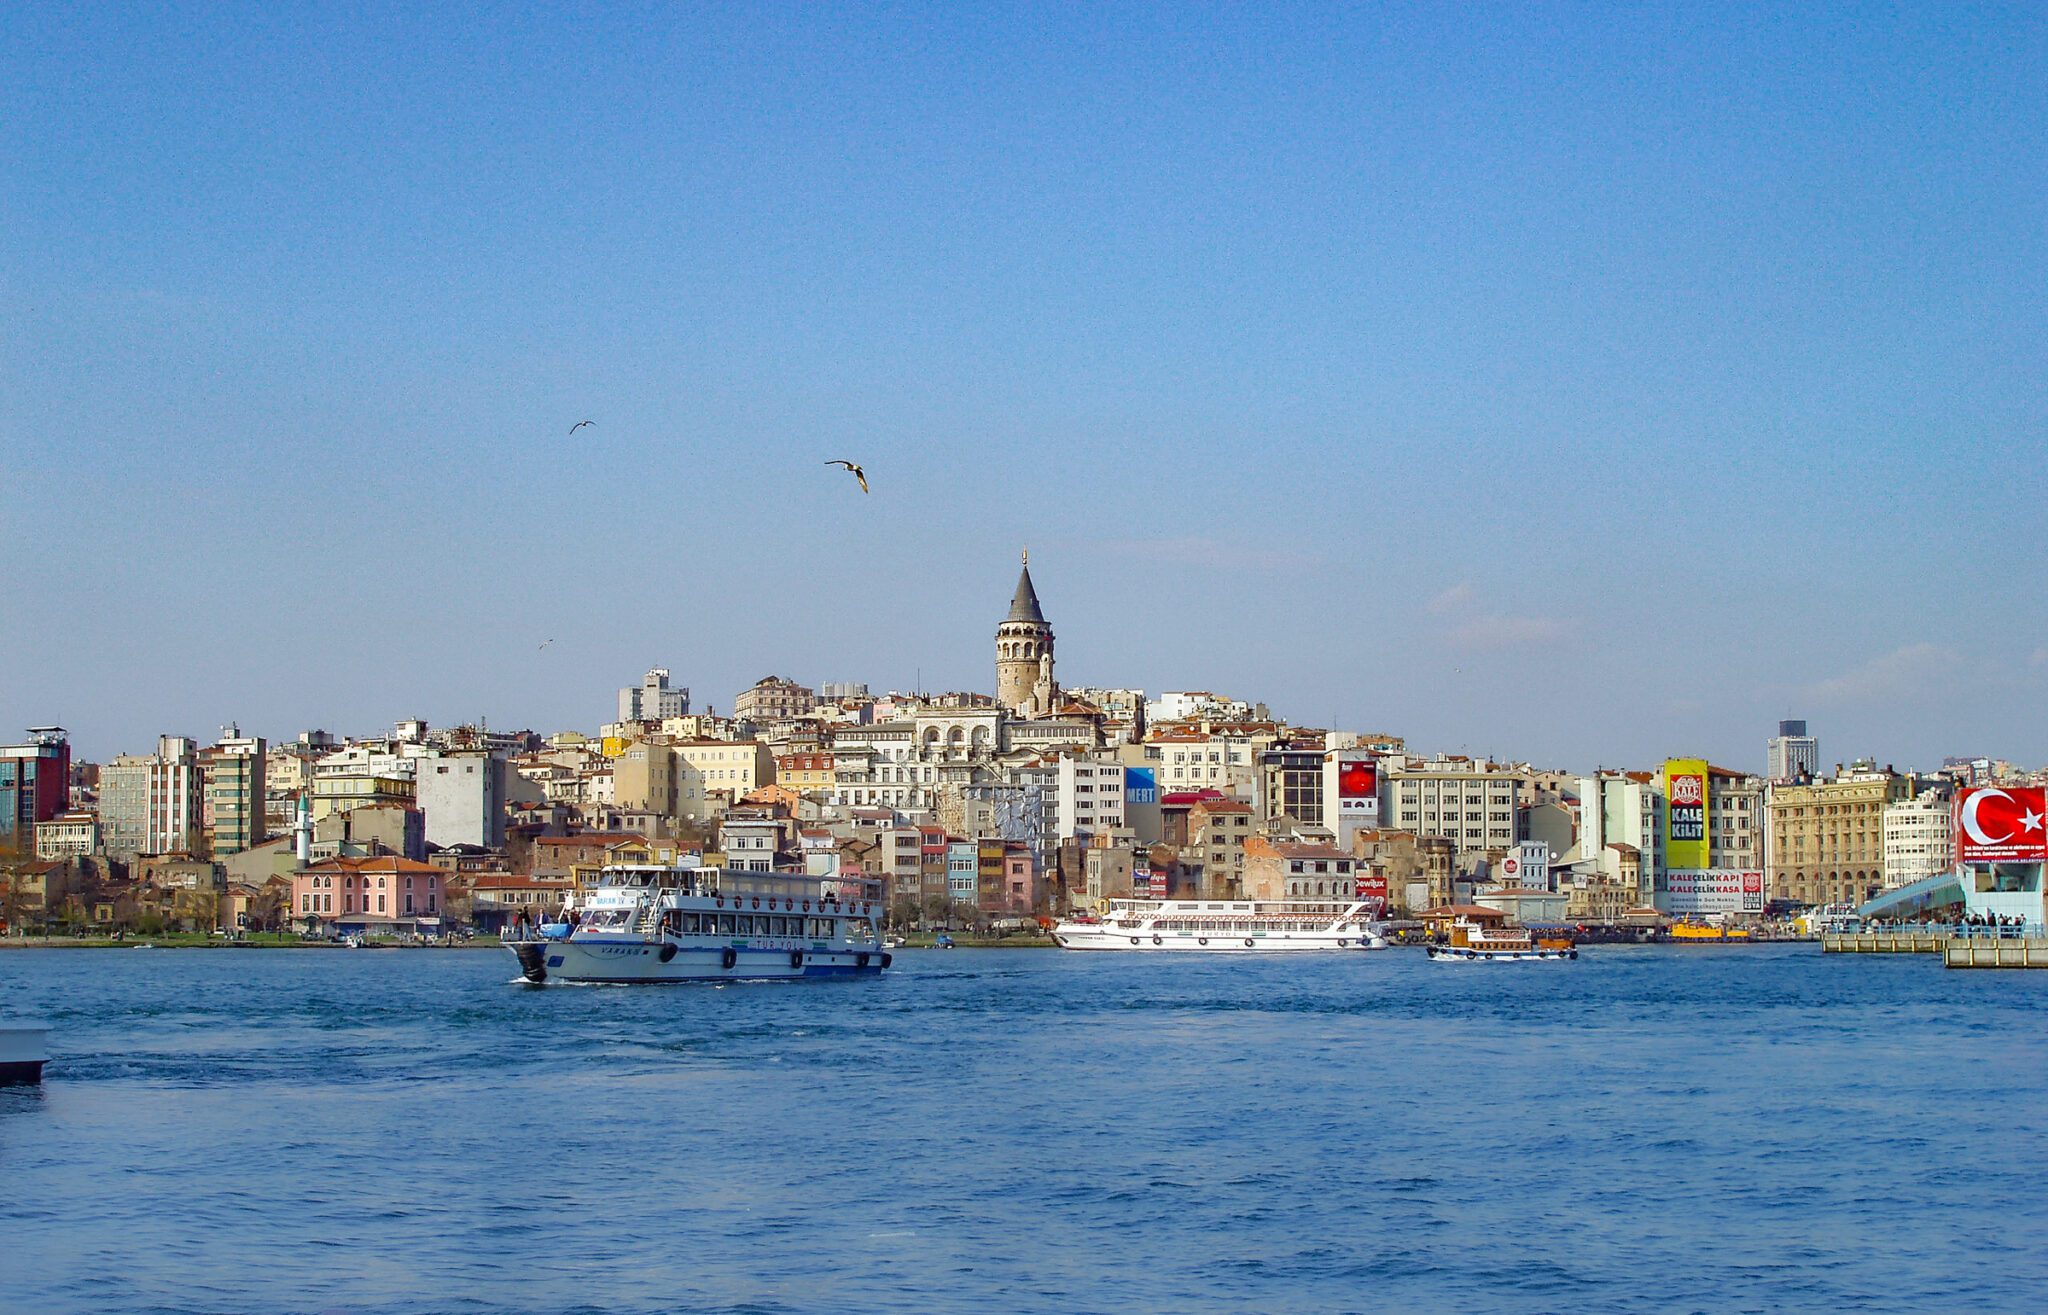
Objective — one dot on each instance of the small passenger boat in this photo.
(1471, 943)
(648, 923)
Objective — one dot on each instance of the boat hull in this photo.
(1460, 954)
(24, 1049)
(624, 961)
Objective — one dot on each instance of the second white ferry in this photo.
(1224, 926)
(644, 923)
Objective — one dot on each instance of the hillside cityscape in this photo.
(969, 808)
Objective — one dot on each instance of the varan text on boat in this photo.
(643, 923)
(1225, 926)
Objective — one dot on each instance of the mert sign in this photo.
(2001, 824)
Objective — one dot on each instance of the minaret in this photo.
(1024, 653)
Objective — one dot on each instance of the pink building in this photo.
(1020, 879)
(386, 893)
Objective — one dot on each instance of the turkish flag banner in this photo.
(2002, 824)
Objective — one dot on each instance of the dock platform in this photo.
(1969, 951)
(1987, 952)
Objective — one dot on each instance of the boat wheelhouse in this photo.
(646, 923)
(1225, 926)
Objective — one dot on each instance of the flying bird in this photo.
(855, 471)
(579, 424)
(544, 643)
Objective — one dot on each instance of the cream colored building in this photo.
(344, 791)
(773, 698)
(704, 768)
(644, 776)
(1735, 820)
(1184, 760)
(68, 835)
(1471, 802)
(1826, 838)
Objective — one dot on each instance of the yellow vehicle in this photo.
(1695, 931)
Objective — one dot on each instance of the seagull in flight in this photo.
(544, 643)
(855, 471)
(579, 424)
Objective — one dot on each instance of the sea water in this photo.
(1649, 1128)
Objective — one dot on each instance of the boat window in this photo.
(725, 924)
(608, 920)
(744, 926)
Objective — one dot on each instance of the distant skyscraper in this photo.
(1793, 752)
(653, 699)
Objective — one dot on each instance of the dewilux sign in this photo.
(1685, 818)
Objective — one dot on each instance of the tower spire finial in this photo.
(1027, 554)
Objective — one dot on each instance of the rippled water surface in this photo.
(1647, 1129)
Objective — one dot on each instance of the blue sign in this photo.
(1140, 786)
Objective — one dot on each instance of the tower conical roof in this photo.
(1024, 607)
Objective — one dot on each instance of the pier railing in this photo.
(2010, 931)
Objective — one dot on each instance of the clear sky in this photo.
(1563, 383)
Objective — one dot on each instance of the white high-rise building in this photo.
(152, 804)
(1792, 753)
(653, 698)
(1917, 838)
(1087, 797)
(1622, 808)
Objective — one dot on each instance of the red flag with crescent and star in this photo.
(2002, 824)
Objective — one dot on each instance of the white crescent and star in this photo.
(1969, 817)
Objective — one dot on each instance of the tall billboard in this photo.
(1370, 887)
(1141, 786)
(1685, 817)
(1715, 890)
(1358, 788)
(2001, 824)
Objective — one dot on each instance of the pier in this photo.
(1972, 947)
(1995, 952)
(1883, 942)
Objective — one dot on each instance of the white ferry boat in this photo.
(1471, 943)
(643, 923)
(1224, 926)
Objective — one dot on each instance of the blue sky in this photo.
(1562, 384)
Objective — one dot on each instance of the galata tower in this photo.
(1024, 682)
